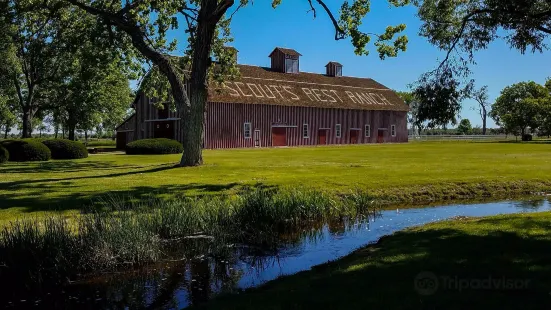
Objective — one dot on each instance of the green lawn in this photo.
(409, 172)
(499, 249)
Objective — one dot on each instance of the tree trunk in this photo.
(194, 118)
(6, 131)
(86, 137)
(484, 117)
(27, 123)
(71, 129)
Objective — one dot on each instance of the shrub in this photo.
(66, 149)
(27, 150)
(154, 146)
(4, 155)
(527, 137)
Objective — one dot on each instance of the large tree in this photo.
(31, 49)
(206, 23)
(520, 107)
(94, 90)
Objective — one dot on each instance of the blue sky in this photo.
(258, 28)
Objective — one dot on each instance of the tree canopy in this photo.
(461, 28)
(521, 106)
(465, 127)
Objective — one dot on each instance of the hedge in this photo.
(27, 150)
(66, 149)
(154, 146)
(4, 155)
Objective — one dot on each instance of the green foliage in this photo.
(472, 25)
(154, 146)
(521, 106)
(4, 154)
(465, 127)
(27, 150)
(66, 149)
(439, 100)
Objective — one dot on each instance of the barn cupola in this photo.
(285, 60)
(333, 68)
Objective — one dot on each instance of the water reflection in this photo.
(231, 268)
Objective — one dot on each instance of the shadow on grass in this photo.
(30, 194)
(526, 142)
(385, 276)
(68, 166)
(33, 200)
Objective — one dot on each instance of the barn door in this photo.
(322, 136)
(354, 136)
(279, 136)
(380, 136)
(257, 138)
(121, 140)
(163, 130)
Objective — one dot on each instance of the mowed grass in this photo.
(415, 172)
(480, 255)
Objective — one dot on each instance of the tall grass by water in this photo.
(36, 251)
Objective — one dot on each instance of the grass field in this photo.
(512, 248)
(417, 172)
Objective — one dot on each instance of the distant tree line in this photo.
(56, 73)
(521, 109)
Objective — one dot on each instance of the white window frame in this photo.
(249, 136)
(367, 131)
(393, 130)
(338, 71)
(338, 131)
(305, 131)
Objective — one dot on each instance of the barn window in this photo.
(367, 131)
(305, 133)
(338, 130)
(247, 130)
(393, 130)
(291, 65)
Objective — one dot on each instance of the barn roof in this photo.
(259, 85)
(287, 51)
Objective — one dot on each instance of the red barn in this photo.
(281, 106)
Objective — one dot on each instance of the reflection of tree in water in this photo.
(532, 204)
(213, 265)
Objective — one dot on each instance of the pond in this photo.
(178, 284)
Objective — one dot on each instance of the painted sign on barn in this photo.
(288, 92)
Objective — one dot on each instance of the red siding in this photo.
(225, 121)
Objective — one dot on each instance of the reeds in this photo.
(40, 250)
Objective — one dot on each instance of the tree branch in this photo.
(19, 93)
(544, 29)
(458, 36)
(220, 10)
(339, 33)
